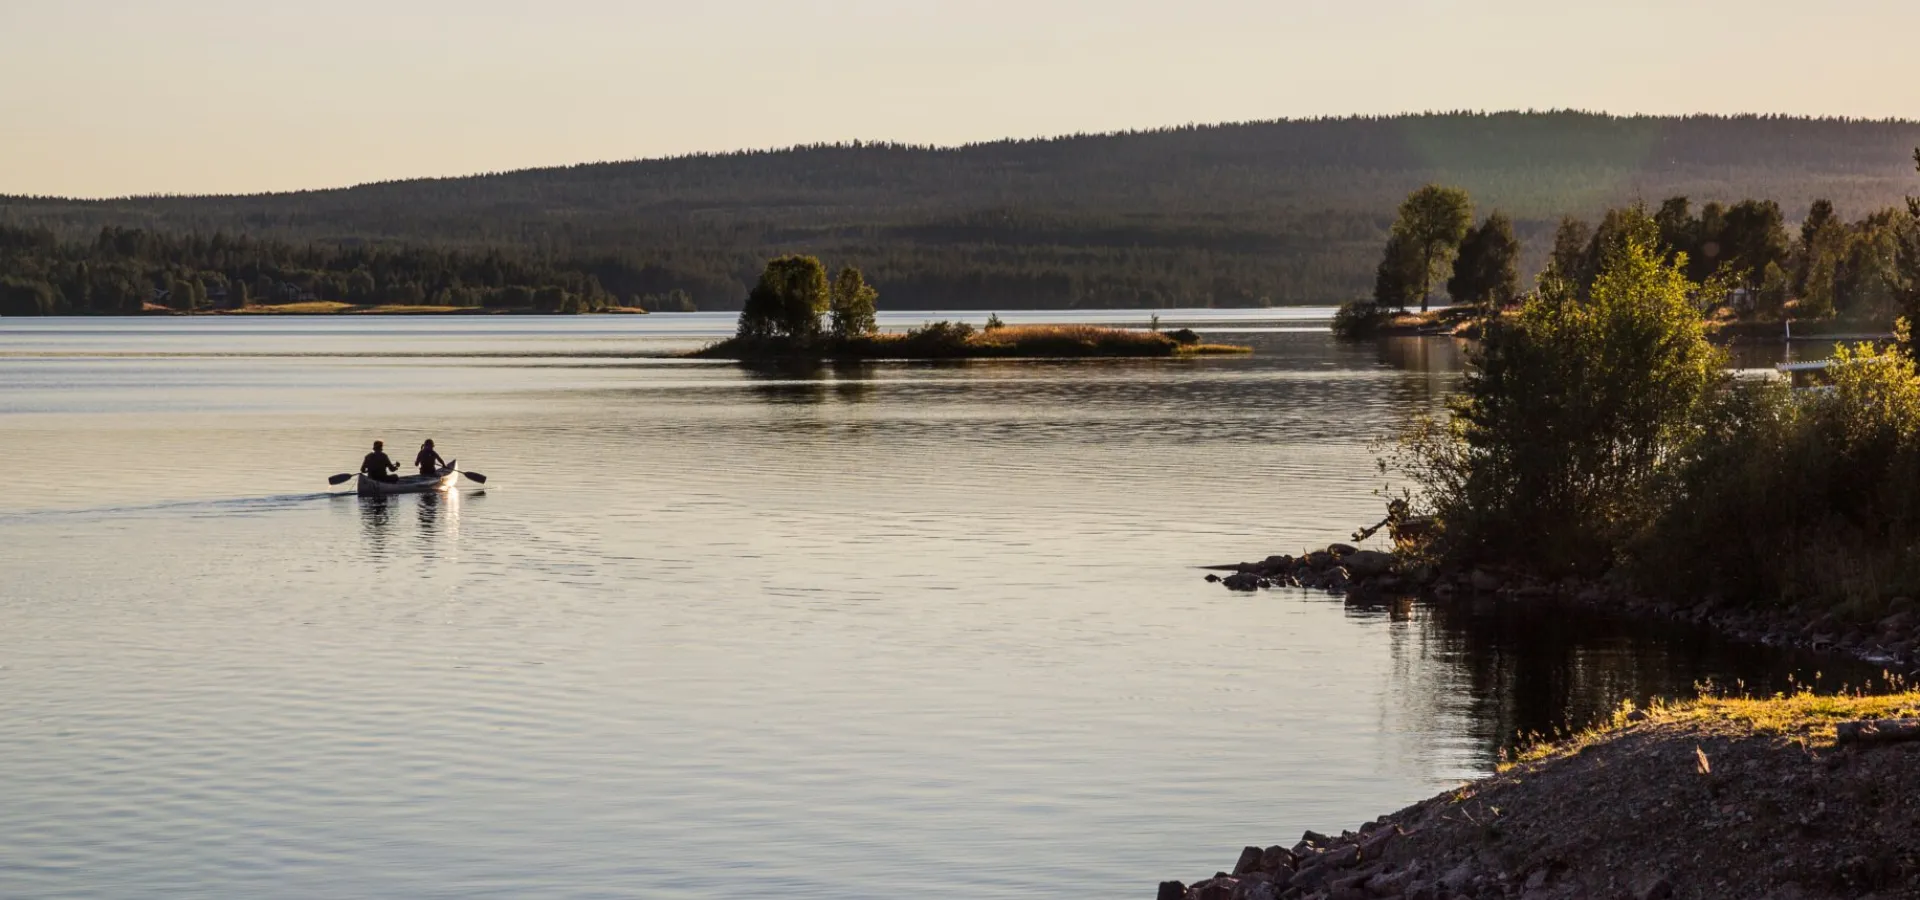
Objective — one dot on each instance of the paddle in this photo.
(340, 479)
(476, 476)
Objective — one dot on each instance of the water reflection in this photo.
(1518, 671)
(436, 518)
(809, 382)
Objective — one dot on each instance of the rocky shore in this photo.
(1796, 798)
(1372, 576)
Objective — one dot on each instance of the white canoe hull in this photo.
(411, 484)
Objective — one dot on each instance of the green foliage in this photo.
(1809, 498)
(1487, 271)
(1432, 222)
(1754, 238)
(788, 301)
(1398, 279)
(852, 305)
(1568, 262)
(1569, 412)
(994, 323)
(1775, 287)
(1358, 319)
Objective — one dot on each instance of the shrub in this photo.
(1809, 498)
(1569, 413)
(1358, 319)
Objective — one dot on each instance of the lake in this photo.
(713, 631)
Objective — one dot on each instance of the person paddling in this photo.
(429, 460)
(377, 466)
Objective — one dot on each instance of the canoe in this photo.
(442, 480)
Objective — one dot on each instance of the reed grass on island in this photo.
(946, 340)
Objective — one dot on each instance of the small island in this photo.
(782, 321)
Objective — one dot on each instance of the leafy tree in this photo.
(852, 305)
(1568, 414)
(788, 301)
(1568, 261)
(1775, 287)
(1755, 237)
(1679, 230)
(1819, 223)
(1487, 271)
(1433, 220)
(1397, 282)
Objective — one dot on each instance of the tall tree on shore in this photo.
(1397, 281)
(1755, 237)
(1487, 271)
(1679, 230)
(1568, 261)
(852, 304)
(1819, 217)
(1433, 220)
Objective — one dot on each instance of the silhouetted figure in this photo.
(428, 460)
(377, 466)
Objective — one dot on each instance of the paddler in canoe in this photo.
(378, 466)
(377, 473)
(428, 459)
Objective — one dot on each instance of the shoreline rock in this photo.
(1374, 577)
(1777, 798)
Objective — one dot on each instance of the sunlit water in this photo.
(878, 630)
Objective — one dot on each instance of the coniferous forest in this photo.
(1275, 213)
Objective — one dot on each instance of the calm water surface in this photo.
(713, 631)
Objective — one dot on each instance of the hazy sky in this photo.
(108, 97)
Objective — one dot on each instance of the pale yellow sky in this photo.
(111, 97)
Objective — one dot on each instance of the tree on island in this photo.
(852, 305)
(788, 301)
(1487, 271)
(1432, 222)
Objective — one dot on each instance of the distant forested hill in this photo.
(1273, 212)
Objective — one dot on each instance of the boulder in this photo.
(1172, 890)
(1242, 582)
(1319, 559)
(1249, 861)
(1341, 857)
(1213, 579)
(1275, 858)
(1368, 563)
(1342, 550)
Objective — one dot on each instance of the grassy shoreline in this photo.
(944, 341)
(1806, 796)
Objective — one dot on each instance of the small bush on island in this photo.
(1357, 319)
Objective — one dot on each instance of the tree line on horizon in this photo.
(1825, 267)
(1242, 215)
